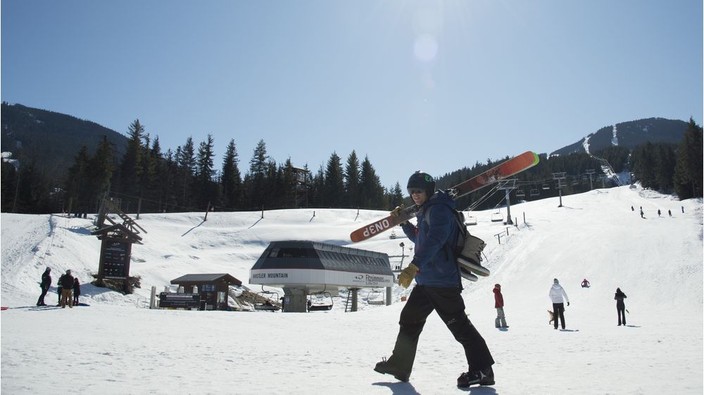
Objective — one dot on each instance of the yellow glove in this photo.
(397, 211)
(407, 275)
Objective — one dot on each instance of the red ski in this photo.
(499, 172)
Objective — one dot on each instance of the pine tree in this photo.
(32, 191)
(317, 187)
(334, 183)
(170, 178)
(130, 169)
(9, 186)
(163, 178)
(77, 175)
(231, 180)
(396, 196)
(352, 180)
(370, 188)
(206, 191)
(666, 159)
(186, 160)
(688, 168)
(644, 165)
(256, 178)
(100, 169)
(274, 190)
(89, 178)
(290, 184)
(148, 193)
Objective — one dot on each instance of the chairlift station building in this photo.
(306, 267)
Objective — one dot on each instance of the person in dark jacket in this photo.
(620, 306)
(59, 289)
(438, 287)
(500, 320)
(45, 285)
(76, 291)
(66, 290)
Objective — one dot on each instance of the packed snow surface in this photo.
(117, 345)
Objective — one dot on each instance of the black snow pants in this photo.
(449, 305)
(558, 311)
(621, 311)
(40, 301)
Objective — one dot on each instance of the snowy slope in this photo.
(118, 345)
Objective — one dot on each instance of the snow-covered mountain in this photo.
(118, 345)
(628, 135)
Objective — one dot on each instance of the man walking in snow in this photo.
(558, 297)
(438, 287)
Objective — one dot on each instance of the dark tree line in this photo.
(147, 180)
(669, 168)
(666, 168)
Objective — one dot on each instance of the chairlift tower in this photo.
(507, 186)
(559, 177)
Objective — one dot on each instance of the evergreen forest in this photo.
(141, 178)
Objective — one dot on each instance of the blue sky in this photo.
(431, 85)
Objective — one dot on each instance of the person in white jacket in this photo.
(558, 297)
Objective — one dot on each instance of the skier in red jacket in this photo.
(500, 321)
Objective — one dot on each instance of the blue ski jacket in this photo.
(433, 254)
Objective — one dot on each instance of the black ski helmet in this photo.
(420, 180)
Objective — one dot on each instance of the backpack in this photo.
(467, 249)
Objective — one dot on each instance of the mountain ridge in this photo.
(51, 140)
(628, 134)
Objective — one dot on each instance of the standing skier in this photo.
(620, 306)
(438, 287)
(67, 290)
(500, 320)
(45, 285)
(558, 297)
(59, 288)
(76, 291)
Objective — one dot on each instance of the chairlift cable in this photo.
(482, 199)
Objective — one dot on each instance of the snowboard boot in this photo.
(482, 377)
(384, 367)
